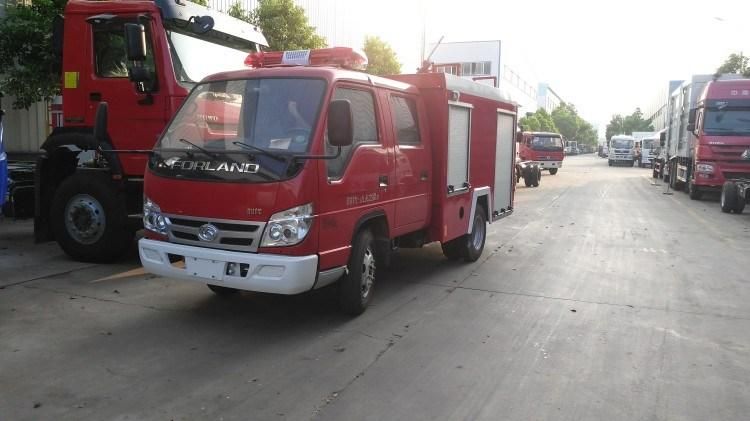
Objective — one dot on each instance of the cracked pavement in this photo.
(600, 298)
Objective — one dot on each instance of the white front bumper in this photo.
(545, 165)
(266, 272)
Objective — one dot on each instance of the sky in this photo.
(605, 57)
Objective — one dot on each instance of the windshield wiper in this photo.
(261, 150)
(200, 148)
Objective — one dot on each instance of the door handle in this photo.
(383, 181)
(423, 175)
(95, 96)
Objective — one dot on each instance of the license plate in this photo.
(204, 268)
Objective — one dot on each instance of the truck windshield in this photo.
(727, 122)
(547, 143)
(622, 143)
(195, 58)
(241, 130)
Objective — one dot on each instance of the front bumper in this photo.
(545, 165)
(270, 273)
(619, 157)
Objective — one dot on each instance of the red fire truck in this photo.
(89, 198)
(545, 149)
(302, 172)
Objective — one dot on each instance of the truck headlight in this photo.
(288, 227)
(153, 220)
(706, 168)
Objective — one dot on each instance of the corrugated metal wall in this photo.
(24, 130)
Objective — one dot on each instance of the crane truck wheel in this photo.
(356, 286)
(528, 177)
(553, 171)
(89, 220)
(729, 197)
(222, 291)
(537, 178)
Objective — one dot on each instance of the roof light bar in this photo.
(344, 57)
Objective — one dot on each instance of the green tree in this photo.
(628, 124)
(530, 123)
(546, 124)
(567, 121)
(201, 2)
(29, 68)
(283, 23)
(381, 57)
(735, 63)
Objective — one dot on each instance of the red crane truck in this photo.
(287, 178)
(545, 149)
(89, 198)
(708, 133)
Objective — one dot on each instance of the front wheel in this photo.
(694, 191)
(730, 198)
(89, 219)
(553, 171)
(356, 287)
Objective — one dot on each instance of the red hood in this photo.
(223, 200)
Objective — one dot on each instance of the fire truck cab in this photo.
(545, 149)
(300, 173)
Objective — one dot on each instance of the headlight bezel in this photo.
(153, 219)
(705, 168)
(288, 227)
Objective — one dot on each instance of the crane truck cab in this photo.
(303, 172)
(621, 150)
(89, 195)
(543, 148)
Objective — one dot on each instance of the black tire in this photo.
(452, 250)
(609, 161)
(357, 285)
(474, 241)
(729, 197)
(553, 171)
(89, 219)
(537, 177)
(222, 291)
(694, 191)
(528, 178)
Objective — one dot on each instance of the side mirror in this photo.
(691, 127)
(691, 116)
(662, 139)
(519, 137)
(100, 123)
(135, 42)
(340, 123)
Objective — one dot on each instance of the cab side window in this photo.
(110, 58)
(405, 120)
(365, 127)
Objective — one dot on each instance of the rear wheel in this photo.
(222, 291)
(89, 219)
(356, 287)
(553, 171)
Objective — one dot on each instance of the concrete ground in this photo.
(601, 298)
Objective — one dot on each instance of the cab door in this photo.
(359, 183)
(135, 119)
(412, 164)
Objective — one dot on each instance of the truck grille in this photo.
(232, 235)
(736, 175)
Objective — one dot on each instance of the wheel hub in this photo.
(84, 219)
(368, 273)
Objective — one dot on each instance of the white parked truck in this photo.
(621, 150)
